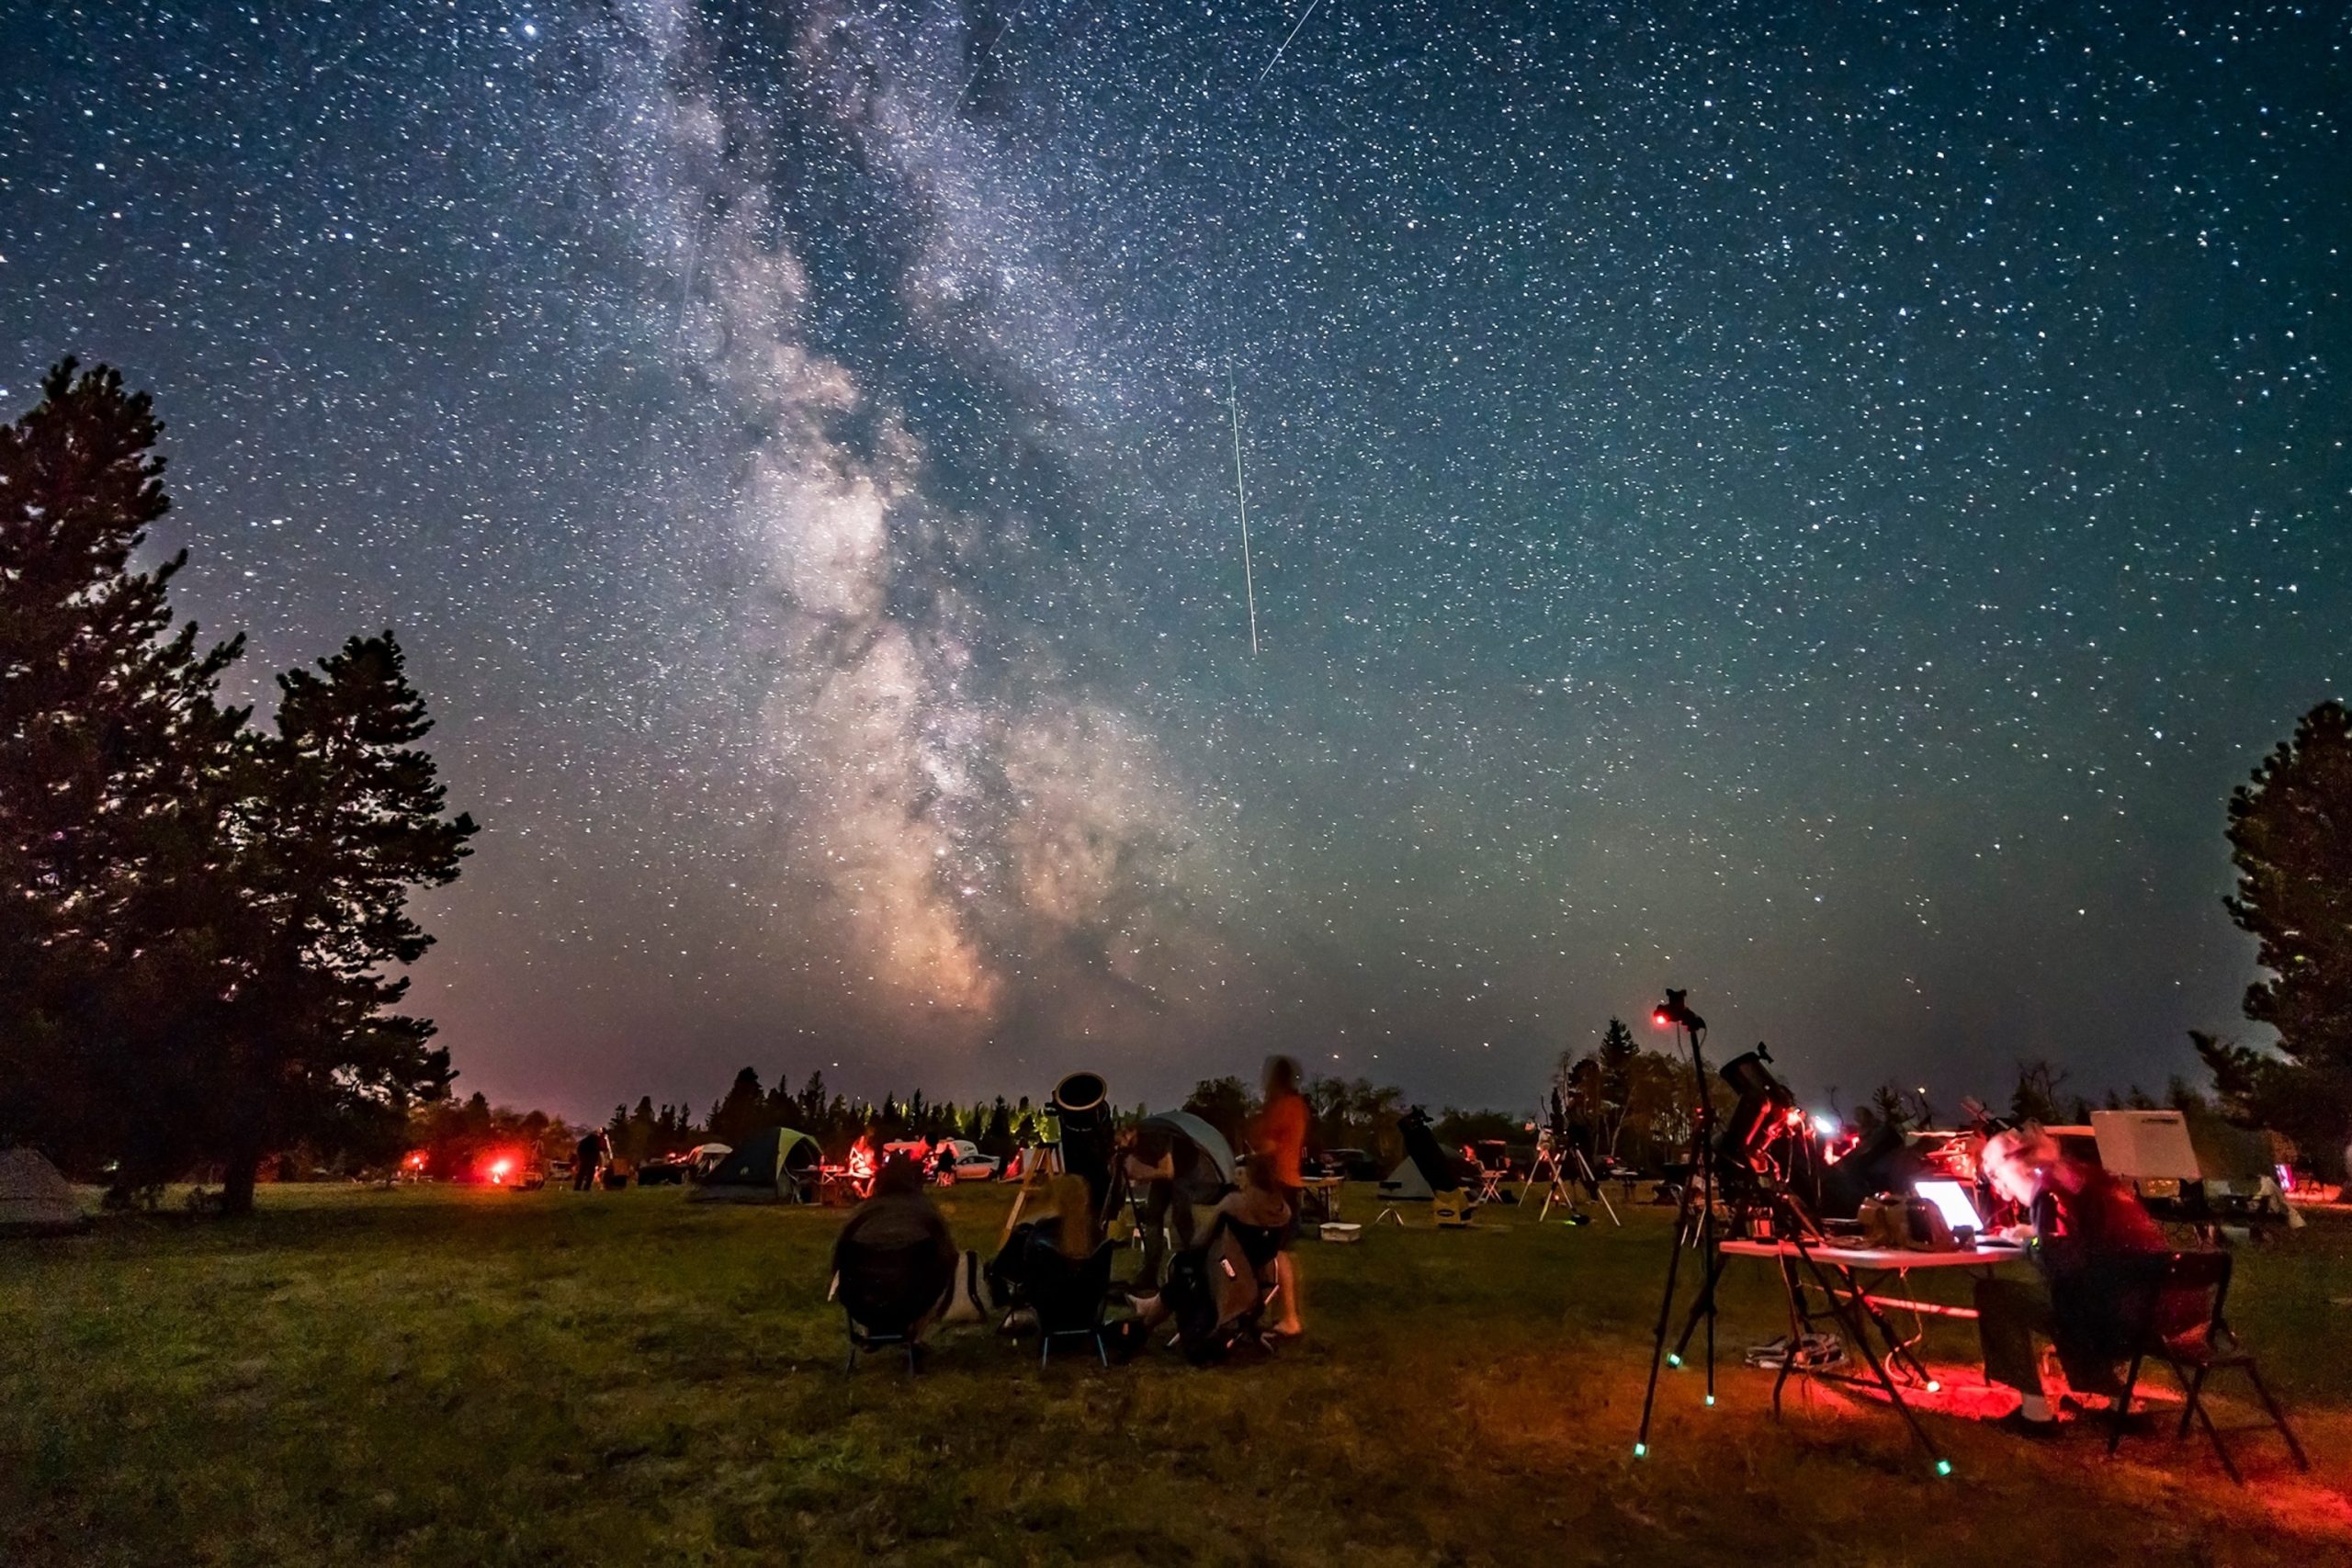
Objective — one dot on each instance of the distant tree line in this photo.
(201, 919)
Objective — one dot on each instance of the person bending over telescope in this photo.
(2094, 1246)
(1177, 1180)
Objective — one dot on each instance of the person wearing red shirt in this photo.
(2094, 1245)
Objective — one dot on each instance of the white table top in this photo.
(1880, 1256)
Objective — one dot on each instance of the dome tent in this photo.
(775, 1165)
(34, 1199)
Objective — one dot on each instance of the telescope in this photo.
(1081, 1102)
(1762, 1112)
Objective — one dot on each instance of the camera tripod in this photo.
(1796, 1232)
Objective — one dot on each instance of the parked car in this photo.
(1356, 1164)
(959, 1159)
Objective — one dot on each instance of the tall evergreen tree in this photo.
(2290, 839)
(114, 756)
(342, 820)
(734, 1119)
(640, 1145)
(811, 1108)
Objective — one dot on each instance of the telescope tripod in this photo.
(1048, 1162)
(1556, 1191)
(1701, 1178)
(1797, 1236)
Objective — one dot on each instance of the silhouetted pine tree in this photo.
(342, 818)
(734, 1119)
(113, 759)
(2290, 839)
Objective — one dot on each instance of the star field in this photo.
(1817, 508)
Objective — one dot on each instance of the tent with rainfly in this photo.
(34, 1199)
(1407, 1182)
(775, 1165)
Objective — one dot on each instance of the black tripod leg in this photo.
(1896, 1348)
(1704, 1306)
(1664, 1311)
(1714, 1268)
(1848, 1319)
(1799, 1325)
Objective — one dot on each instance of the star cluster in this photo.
(1815, 507)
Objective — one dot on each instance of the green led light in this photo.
(1672, 1359)
(1943, 1467)
(1711, 1402)
(1641, 1451)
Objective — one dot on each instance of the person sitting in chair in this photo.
(898, 1219)
(1260, 1215)
(1254, 1219)
(2094, 1246)
(1049, 1248)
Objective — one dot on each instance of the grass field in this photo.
(458, 1376)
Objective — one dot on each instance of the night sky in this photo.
(1815, 504)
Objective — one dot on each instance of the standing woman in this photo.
(1280, 1136)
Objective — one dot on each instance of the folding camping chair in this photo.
(1260, 1244)
(1069, 1298)
(886, 1293)
(1491, 1182)
(2193, 1357)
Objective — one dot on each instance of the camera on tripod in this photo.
(1675, 1011)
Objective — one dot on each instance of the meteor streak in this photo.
(1277, 59)
(1241, 493)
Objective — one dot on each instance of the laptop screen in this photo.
(1951, 1198)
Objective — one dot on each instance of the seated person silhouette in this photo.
(895, 1260)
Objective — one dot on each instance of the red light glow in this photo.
(1659, 1019)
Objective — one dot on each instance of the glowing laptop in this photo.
(1952, 1201)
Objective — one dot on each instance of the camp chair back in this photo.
(1259, 1244)
(886, 1292)
(2194, 1355)
(1262, 1244)
(1069, 1297)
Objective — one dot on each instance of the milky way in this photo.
(1819, 508)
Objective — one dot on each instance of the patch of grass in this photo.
(435, 1375)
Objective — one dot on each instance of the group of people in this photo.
(2092, 1242)
(1200, 1232)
